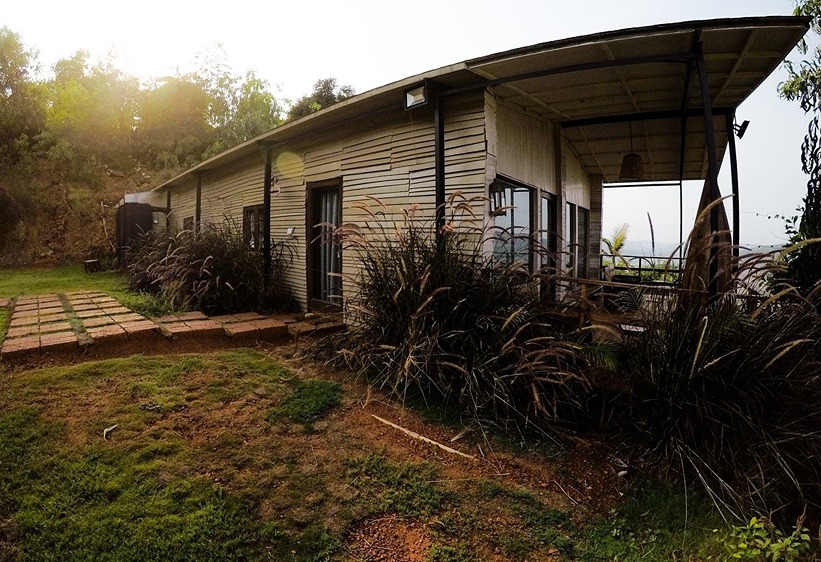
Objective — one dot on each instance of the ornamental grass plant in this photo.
(724, 392)
(441, 318)
(214, 270)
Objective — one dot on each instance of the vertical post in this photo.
(198, 205)
(168, 209)
(266, 219)
(729, 120)
(712, 165)
(439, 158)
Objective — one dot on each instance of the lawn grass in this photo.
(207, 457)
(69, 278)
(4, 322)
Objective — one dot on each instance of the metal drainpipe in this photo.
(266, 220)
(439, 160)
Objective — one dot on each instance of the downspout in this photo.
(266, 220)
(709, 126)
(439, 158)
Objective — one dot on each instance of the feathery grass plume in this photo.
(442, 317)
(724, 390)
(214, 270)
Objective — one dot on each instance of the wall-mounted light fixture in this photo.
(741, 129)
(417, 97)
(274, 188)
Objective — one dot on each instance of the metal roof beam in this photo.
(677, 58)
(643, 116)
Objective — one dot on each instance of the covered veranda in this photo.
(668, 94)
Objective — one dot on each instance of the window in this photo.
(547, 232)
(511, 208)
(577, 239)
(324, 252)
(582, 241)
(570, 234)
(188, 223)
(253, 225)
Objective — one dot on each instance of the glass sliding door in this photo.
(325, 250)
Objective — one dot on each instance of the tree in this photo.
(22, 117)
(21, 102)
(91, 115)
(804, 86)
(239, 107)
(173, 128)
(326, 93)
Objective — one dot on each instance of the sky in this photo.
(369, 43)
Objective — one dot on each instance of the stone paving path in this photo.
(84, 322)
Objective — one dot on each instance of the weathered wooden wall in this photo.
(388, 157)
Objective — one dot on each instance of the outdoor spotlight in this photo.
(741, 129)
(416, 97)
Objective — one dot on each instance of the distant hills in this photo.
(667, 249)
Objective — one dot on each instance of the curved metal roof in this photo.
(594, 85)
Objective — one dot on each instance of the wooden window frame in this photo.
(253, 217)
(311, 200)
(508, 186)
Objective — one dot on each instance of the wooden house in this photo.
(540, 129)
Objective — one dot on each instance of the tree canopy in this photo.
(804, 86)
(326, 93)
(75, 137)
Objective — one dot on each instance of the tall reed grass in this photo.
(441, 317)
(214, 270)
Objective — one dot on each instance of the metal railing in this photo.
(641, 269)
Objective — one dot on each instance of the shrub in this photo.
(440, 317)
(213, 270)
(726, 393)
(761, 540)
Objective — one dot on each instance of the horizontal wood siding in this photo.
(183, 202)
(391, 170)
(524, 148)
(385, 163)
(577, 180)
(226, 191)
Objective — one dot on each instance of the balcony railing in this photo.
(645, 270)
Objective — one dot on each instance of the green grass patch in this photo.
(69, 278)
(95, 505)
(402, 488)
(62, 279)
(4, 322)
(447, 553)
(309, 401)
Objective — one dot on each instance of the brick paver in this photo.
(84, 320)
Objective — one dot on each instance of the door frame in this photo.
(312, 190)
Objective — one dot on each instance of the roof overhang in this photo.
(594, 86)
(597, 85)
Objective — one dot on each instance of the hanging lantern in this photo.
(632, 166)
